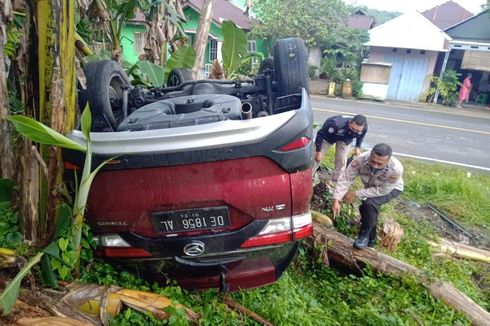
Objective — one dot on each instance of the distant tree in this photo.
(381, 16)
(312, 20)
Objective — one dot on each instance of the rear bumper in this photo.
(231, 272)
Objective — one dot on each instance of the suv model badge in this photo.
(195, 248)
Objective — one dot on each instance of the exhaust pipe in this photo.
(246, 110)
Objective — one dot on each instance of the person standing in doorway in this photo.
(339, 130)
(464, 91)
(381, 175)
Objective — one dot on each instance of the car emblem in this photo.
(195, 248)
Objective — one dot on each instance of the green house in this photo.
(133, 34)
(133, 38)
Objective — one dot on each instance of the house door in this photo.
(407, 77)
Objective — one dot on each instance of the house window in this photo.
(409, 51)
(207, 70)
(213, 50)
(422, 52)
(252, 47)
(394, 50)
(139, 42)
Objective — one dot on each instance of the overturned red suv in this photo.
(212, 179)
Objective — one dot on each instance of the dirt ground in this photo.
(444, 225)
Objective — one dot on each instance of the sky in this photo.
(404, 6)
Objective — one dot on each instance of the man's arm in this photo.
(346, 180)
(318, 142)
(328, 129)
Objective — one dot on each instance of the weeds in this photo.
(463, 194)
(10, 236)
(309, 293)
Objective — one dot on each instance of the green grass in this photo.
(310, 294)
(463, 194)
(414, 249)
(307, 294)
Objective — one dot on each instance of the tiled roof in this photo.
(223, 10)
(447, 14)
(361, 22)
(409, 31)
(139, 17)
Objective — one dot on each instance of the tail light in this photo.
(114, 246)
(282, 230)
(295, 144)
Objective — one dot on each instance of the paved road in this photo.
(436, 134)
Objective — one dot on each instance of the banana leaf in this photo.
(184, 57)
(11, 292)
(36, 131)
(151, 73)
(235, 46)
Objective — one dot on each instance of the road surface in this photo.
(443, 135)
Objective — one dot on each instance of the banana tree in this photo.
(235, 49)
(40, 133)
(163, 19)
(55, 22)
(7, 162)
(164, 28)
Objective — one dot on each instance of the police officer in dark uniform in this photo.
(339, 130)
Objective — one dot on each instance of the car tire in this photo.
(291, 66)
(267, 64)
(106, 84)
(177, 76)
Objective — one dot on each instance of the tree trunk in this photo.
(460, 250)
(6, 153)
(162, 31)
(156, 35)
(202, 36)
(56, 52)
(341, 251)
(28, 167)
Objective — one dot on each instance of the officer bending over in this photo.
(339, 130)
(381, 175)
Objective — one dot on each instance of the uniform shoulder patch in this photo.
(355, 163)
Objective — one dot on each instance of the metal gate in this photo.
(407, 77)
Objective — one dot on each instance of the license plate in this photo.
(191, 219)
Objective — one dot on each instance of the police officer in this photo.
(381, 175)
(339, 130)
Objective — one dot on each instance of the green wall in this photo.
(239, 3)
(127, 41)
(192, 17)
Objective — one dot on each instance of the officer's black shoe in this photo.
(363, 238)
(371, 243)
(361, 242)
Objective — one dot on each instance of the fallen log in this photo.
(340, 250)
(460, 250)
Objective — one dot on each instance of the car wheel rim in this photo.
(115, 98)
(174, 80)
